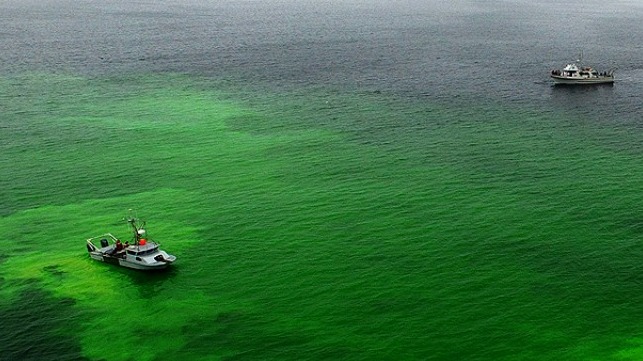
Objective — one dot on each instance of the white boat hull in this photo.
(125, 262)
(582, 81)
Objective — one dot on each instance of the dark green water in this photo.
(324, 204)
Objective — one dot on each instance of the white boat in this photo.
(142, 254)
(573, 74)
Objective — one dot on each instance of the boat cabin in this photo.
(137, 251)
(570, 70)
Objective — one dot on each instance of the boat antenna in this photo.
(132, 220)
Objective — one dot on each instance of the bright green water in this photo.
(314, 225)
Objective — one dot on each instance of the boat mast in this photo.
(131, 219)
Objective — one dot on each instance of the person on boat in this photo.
(118, 248)
(126, 244)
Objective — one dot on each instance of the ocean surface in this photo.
(339, 179)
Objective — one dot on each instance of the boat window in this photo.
(149, 251)
(131, 252)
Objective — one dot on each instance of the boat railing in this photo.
(113, 238)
